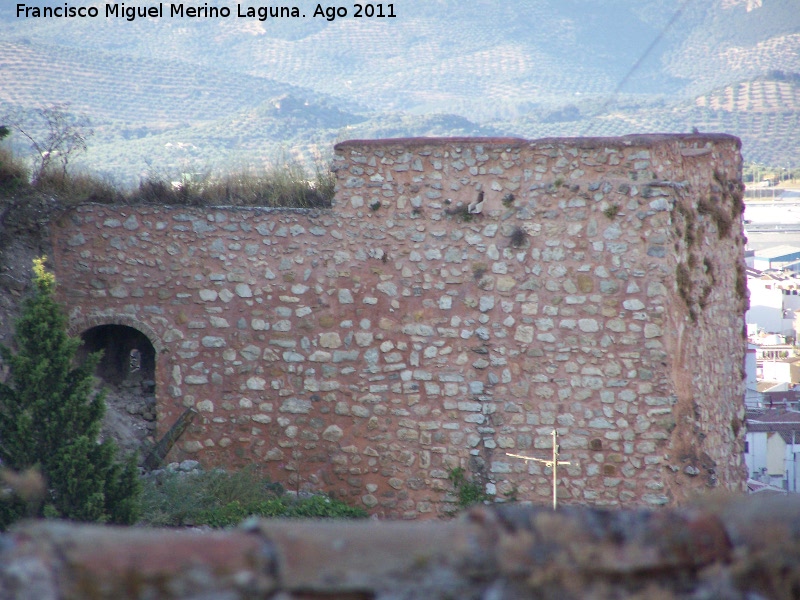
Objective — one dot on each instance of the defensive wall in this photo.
(736, 548)
(460, 300)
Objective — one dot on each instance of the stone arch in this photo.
(128, 372)
(78, 326)
(123, 339)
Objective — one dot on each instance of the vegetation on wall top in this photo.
(34, 188)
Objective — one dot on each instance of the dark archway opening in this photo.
(128, 356)
(127, 371)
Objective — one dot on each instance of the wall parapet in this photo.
(461, 299)
(724, 549)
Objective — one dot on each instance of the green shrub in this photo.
(611, 211)
(320, 507)
(222, 499)
(468, 492)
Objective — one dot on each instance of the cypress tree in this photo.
(50, 419)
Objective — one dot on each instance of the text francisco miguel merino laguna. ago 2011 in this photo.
(118, 10)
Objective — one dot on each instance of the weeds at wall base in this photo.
(467, 491)
(222, 499)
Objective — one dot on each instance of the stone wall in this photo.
(736, 550)
(462, 299)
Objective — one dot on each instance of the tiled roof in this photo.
(790, 396)
(756, 487)
(763, 386)
(782, 421)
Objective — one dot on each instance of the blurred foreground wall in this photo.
(735, 549)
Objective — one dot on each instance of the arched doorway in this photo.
(127, 372)
(128, 356)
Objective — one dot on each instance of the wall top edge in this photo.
(437, 141)
(639, 139)
(150, 207)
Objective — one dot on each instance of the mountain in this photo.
(193, 93)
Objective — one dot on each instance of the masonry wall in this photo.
(366, 350)
(732, 548)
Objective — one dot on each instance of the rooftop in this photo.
(780, 420)
(777, 251)
(756, 487)
(764, 386)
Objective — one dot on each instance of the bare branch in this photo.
(56, 136)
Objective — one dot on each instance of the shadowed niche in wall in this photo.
(128, 356)
(127, 372)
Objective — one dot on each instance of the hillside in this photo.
(194, 94)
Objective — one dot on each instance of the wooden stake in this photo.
(553, 464)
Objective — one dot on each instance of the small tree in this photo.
(50, 419)
(56, 137)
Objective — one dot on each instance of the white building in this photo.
(772, 448)
(777, 257)
(784, 370)
(774, 298)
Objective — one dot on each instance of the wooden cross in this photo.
(553, 464)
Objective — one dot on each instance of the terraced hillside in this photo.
(738, 41)
(762, 95)
(197, 93)
(282, 128)
(124, 88)
(764, 113)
